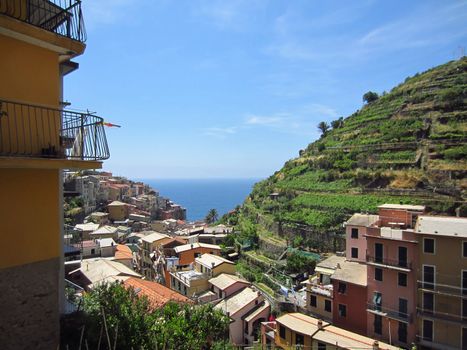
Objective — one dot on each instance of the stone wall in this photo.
(29, 297)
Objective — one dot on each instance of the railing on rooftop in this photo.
(73, 297)
(42, 132)
(62, 17)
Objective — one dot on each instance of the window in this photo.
(378, 274)
(464, 282)
(428, 301)
(354, 233)
(282, 331)
(403, 256)
(464, 338)
(464, 309)
(327, 305)
(342, 310)
(464, 249)
(321, 346)
(342, 288)
(428, 330)
(197, 255)
(429, 245)
(378, 324)
(403, 306)
(313, 300)
(378, 253)
(377, 301)
(428, 277)
(299, 339)
(93, 251)
(402, 279)
(354, 253)
(402, 332)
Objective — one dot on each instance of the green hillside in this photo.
(408, 146)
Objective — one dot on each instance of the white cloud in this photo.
(265, 120)
(219, 132)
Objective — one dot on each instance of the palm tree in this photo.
(212, 216)
(324, 127)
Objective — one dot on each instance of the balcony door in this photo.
(428, 277)
(378, 253)
(403, 256)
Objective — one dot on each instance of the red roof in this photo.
(157, 294)
(123, 252)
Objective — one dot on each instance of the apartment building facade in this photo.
(38, 138)
(442, 282)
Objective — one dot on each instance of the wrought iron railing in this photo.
(35, 131)
(389, 312)
(62, 17)
(389, 262)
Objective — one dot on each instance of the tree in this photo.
(337, 123)
(323, 127)
(119, 316)
(211, 216)
(370, 96)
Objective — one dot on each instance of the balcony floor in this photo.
(47, 163)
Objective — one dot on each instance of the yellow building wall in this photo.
(224, 268)
(29, 74)
(30, 215)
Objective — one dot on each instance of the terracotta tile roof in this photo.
(123, 252)
(157, 294)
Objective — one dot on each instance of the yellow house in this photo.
(118, 211)
(38, 138)
(299, 331)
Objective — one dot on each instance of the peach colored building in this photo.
(225, 285)
(392, 259)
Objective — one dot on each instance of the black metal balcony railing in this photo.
(389, 262)
(36, 131)
(389, 312)
(62, 17)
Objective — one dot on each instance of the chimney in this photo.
(338, 266)
(191, 245)
(320, 324)
(375, 345)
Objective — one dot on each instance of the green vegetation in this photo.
(406, 146)
(117, 318)
(212, 216)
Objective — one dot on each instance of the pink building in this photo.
(392, 258)
(355, 233)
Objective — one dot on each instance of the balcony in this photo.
(389, 312)
(442, 316)
(444, 289)
(41, 132)
(400, 265)
(62, 17)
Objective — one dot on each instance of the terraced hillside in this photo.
(408, 146)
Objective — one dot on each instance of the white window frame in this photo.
(432, 329)
(434, 245)
(434, 301)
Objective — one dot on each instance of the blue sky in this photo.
(235, 88)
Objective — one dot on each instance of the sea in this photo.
(198, 196)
